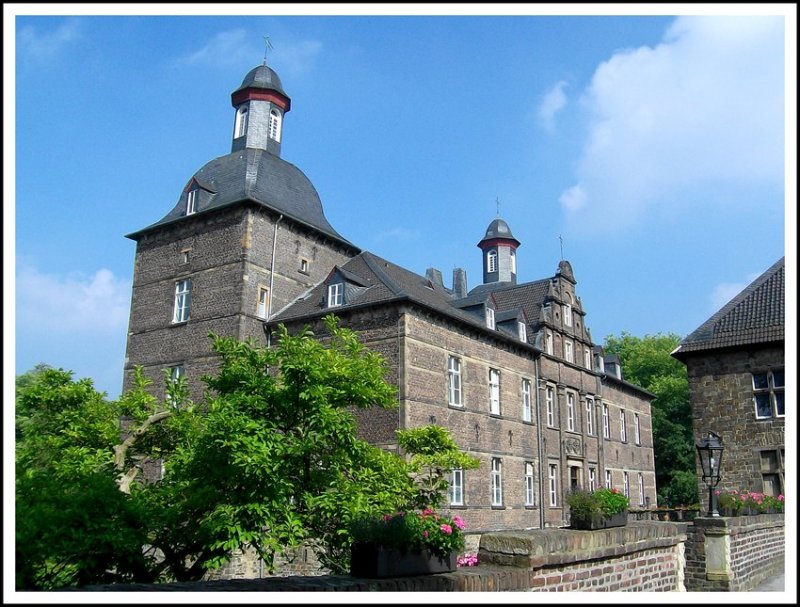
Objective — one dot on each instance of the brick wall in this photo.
(644, 556)
(734, 553)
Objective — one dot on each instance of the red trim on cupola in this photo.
(511, 242)
(251, 94)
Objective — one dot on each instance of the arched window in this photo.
(491, 261)
(513, 261)
(241, 122)
(275, 125)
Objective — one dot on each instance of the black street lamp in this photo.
(710, 452)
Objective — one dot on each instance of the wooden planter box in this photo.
(373, 561)
(618, 520)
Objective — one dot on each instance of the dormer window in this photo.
(275, 125)
(335, 294)
(191, 202)
(490, 318)
(491, 261)
(241, 122)
(522, 331)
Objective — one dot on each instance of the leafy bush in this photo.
(603, 503)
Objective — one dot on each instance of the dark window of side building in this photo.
(772, 471)
(768, 394)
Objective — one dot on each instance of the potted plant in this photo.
(599, 509)
(406, 543)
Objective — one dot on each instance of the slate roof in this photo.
(754, 316)
(256, 176)
(386, 282)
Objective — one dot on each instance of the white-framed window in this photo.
(497, 481)
(568, 355)
(185, 255)
(589, 416)
(175, 374)
(522, 331)
(592, 478)
(490, 317)
(550, 401)
(548, 342)
(623, 427)
(570, 411)
(335, 294)
(191, 202)
(275, 125)
(626, 485)
(641, 489)
(587, 358)
(241, 122)
(513, 258)
(263, 302)
(491, 261)
(768, 394)
(494, 391)
(637, 429)
(529, 486)
(454, 381)
(183, 290)
(609, 484)
(552, 480)
(457, 487)
(606, 422)
(526, 400)
(567, 315)
(303, 265)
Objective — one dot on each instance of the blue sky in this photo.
(653, 145)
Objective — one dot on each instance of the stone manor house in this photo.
(510, 368)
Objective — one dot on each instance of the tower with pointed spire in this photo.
(247, 235)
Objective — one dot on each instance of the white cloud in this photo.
(47, 303)
(38, 44)
(705, 107)
(553, 101)
(573, 199)
(725, 291)
(224, 49)
(397, 233)
(239, 46)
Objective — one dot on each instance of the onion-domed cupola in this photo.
(499, 253)
(260, 103)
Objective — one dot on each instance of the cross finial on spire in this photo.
(561, 242)
(497, 200)
(267, 47)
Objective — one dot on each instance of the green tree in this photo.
(647, 363)
(433, 454)
(73, 525)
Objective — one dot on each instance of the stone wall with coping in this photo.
(734, 554)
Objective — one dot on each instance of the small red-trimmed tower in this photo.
(499, 253)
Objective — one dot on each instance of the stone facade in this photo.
(735, 364)
(723, 383)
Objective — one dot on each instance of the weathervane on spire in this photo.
(561, 242)
(267, 47)
(497, 200)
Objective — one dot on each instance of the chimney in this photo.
(435, 276)
(459, 282)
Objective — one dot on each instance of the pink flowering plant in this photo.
(413, 531)
(737, 502)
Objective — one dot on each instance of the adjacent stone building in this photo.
(735, 363)
(509, 368)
